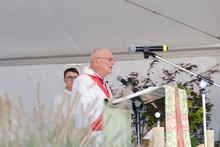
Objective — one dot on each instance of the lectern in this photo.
(117, 117)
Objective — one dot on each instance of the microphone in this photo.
(133, 89)
(132, 48)
(123, 81)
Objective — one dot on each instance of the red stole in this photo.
(180, 141)
(97, 124)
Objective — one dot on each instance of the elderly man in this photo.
(89, 90)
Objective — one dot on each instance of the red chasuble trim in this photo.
(97, 124)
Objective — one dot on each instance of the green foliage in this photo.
(194, 141)
(172, 77)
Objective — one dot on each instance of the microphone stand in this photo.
(137, 110)
(202, 86)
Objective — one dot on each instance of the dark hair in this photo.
(71, 69)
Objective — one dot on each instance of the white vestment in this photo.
(89, 98)
(62, 99)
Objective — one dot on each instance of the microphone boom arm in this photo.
(147, 54)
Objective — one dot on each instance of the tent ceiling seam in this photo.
(172, 19)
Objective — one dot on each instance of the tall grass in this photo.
(49, 128)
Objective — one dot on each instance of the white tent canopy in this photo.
(48, 31)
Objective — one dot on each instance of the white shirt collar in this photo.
(96, 74)
(67, 91)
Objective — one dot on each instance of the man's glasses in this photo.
(109, 59)
(71, 78)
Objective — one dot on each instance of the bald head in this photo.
(99, 52)
(102, 61)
